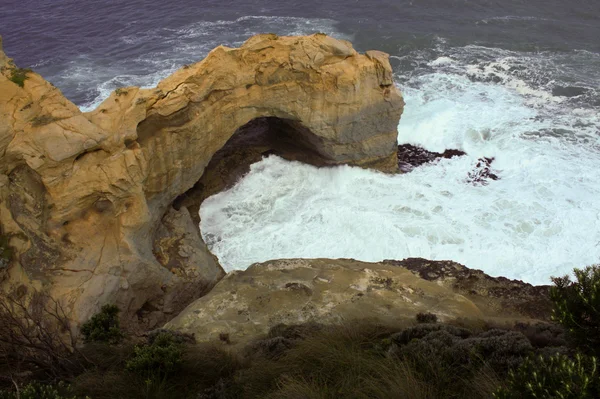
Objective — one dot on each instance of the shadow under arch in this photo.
(260, 137)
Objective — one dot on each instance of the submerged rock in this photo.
(482, 172)
(411, 156)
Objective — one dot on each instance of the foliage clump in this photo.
(426, 318)
(557, 376)
(19, 75)
(158, 359)
(103, 326)
(36, 390)
(577, 307)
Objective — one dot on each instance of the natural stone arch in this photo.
(111, 176)
(258, 138)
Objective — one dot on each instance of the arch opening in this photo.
(251, 142)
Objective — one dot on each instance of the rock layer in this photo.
(86, 199)
(246, 304)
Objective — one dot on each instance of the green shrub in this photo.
(426, 318)
(553, 377)
(40, 391)
(19, 75)
(577, 307)
(158, 359)
(103, 326)
(204, 367)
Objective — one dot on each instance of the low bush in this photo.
(158, 359)
(426, 318)
(103, 326)
(40, 391)
(553, 377)
(35, 337)
(144, 372)
(577, 307)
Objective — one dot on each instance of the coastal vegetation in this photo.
(359, 359)
(19, 76)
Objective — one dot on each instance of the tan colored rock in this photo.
(247, 303)
(86, 198)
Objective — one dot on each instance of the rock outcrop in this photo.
(246, 304)
(94, 204)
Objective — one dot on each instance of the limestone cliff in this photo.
(87, 198)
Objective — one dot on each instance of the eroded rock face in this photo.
(246, 304)
(86, 199)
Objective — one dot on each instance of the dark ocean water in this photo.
(518, 80)
(86, 46)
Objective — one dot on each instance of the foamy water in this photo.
(185, 45)
(542, 218)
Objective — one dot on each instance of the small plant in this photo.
(36, 390)
(19, 75)
(103, 326)
(553, 377)
(121, 91)
(426, 318)
(577, 307)
(157, 360)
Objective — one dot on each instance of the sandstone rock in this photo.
(493, 295)
(87, 199)
(245, 304)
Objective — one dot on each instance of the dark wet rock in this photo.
(482, 173)
(569, 91)
(515, 296)
(411, 156)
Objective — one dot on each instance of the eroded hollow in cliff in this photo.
(249, 144)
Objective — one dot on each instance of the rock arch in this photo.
(111, 176)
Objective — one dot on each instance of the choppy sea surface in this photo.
(517, 80)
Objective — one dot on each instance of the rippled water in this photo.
(517, 80)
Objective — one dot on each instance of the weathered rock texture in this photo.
(246, 304)
(86, 199)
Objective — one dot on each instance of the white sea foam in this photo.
(542, 217)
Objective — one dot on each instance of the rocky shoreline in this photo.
(102, 207)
